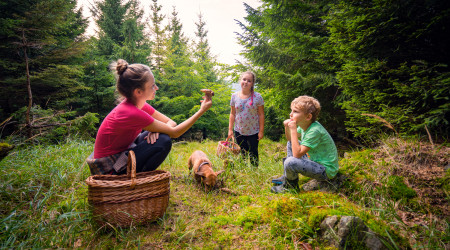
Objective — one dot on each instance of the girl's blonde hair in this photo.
(130, 77)
(307, 104)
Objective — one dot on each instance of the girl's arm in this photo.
(177, 131)
(161, 117)
(231, 122)
(261, 122)
(298, 151)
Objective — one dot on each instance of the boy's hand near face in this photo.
(287, 133)
(292, 125)
(289, 126)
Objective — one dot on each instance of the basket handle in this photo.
(232, 139)
(131, 164)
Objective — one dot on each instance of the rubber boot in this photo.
(292, 184)
(279, 180)
(289, 184)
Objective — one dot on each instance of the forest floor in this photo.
(400, 189)
(421, 166)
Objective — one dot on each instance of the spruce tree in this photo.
(283, 41)
(159, 36)
(136, 47)
(395, 69)
(203, 59)
(214, 122)
(109, 16)
(40, 43)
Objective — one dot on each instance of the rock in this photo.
(5, 148)
(327, 227)
(349, 232)
(327, 186)
(311, 185)
(373, 242)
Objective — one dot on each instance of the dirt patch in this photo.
(424, 170)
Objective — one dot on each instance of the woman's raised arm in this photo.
(177, 131)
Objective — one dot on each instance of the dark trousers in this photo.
(248, 144)
(150, 156)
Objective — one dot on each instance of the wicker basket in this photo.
(227, 149)
(121, 200)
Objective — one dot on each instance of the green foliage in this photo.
(390, 59)
(394, 65)
(283, 41)
(41, 193)
(109, 16)
(44, 36)
(273, 125)
(85, 127)
(52, 126)
(121, 31)
(397, 189)
(98, 94)
(43, 200)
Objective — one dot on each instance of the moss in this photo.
(220, 220)
(397, 189)
(316, 216)
(5, 148)
(243, 200)
(252, 214)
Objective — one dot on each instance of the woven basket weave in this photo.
(122, 200)
(226, 149)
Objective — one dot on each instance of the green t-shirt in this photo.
(322, 147)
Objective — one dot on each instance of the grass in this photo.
(43, 201)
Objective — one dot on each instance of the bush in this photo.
(49, 126)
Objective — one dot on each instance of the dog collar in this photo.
(203, 163)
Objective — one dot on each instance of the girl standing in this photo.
(247, 117)
(121, 129)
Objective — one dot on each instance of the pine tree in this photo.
(159, 36)
(40, 40)
(203, 60)
(109, 16)
(176, 77)
(136, 47)
(214, 122)
(121, 35)
(283, 42)
(395, 65)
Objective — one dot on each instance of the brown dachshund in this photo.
(203, 172)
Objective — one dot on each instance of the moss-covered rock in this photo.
(5, 148)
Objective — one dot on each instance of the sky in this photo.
(219, 16)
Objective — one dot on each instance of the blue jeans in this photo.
(294, 166)
(150, 156)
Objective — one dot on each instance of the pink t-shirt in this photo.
(120, 127)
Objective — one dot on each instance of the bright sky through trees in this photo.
(219, 16)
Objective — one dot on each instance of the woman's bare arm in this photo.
(177, 131)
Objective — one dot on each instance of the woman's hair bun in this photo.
(121, 66)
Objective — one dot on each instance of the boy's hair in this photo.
(307, 104)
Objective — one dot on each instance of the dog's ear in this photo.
(220, 171)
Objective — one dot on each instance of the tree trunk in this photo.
(30, 95)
